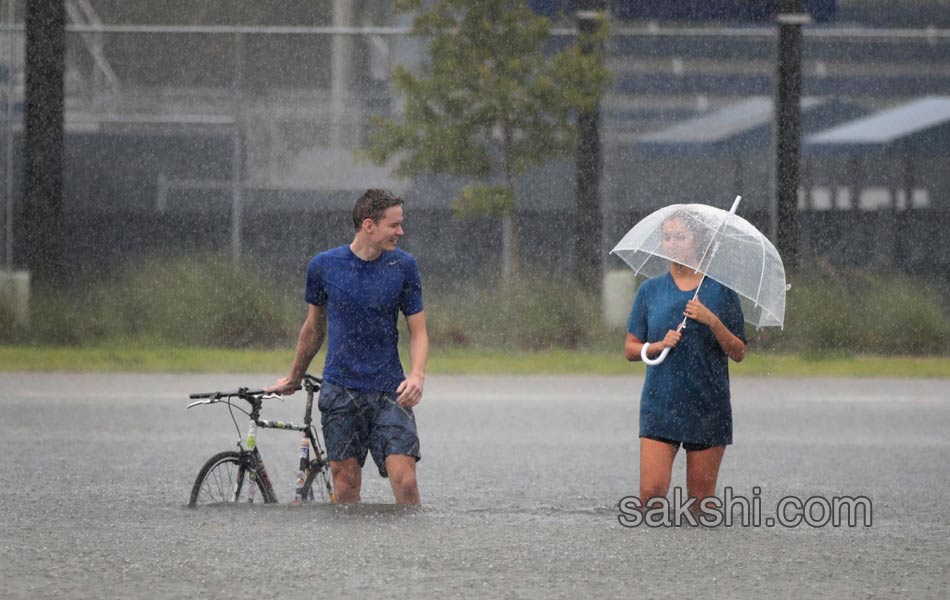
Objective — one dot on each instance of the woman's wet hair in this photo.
(699, 231)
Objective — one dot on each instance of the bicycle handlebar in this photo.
(217, 395)
(311, 380)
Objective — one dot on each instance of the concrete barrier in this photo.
(619, 289)
(15, 291)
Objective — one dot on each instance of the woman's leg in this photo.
(656, 468)
(702, 471)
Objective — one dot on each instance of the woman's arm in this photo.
(631, 349)
(728, 341)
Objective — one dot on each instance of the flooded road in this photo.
(520, 480)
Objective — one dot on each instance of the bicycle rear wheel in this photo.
(222, 480)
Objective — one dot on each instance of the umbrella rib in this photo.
(758, 292)
(708, 246)
(647, 256)
(711, 241)
(645, 259)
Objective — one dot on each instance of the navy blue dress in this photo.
(686, 398)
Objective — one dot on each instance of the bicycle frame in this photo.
(253, 464)
(309, 440)
(256, 468)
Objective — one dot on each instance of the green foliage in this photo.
(533, 312)
(493, 103)
(67, 318)
(7, 319)
(180, 301)
(843, 312)
(490, 86)
(481, 200)
(905, 316)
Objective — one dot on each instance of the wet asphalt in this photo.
(520, 478)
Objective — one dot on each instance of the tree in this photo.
(495, 102)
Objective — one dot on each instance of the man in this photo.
(356, 292)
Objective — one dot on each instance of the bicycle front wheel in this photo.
(318, 487)
(224, 480)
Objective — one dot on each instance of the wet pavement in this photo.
(521, 479)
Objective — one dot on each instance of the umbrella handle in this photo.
(653, 361)
(662, 356)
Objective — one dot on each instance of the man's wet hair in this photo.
(373, 205)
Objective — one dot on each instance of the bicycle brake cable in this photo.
(236, 426)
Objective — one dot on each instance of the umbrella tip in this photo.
(735, 205)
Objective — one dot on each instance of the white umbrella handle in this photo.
(653, 361)
(662, 356)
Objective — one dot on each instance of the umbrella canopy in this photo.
(730, 250)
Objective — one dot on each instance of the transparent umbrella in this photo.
(733, 252)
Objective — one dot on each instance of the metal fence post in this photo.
(237, 154)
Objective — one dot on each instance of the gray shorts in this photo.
(356, 422)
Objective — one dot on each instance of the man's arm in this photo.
(311, 337)
(410, 390)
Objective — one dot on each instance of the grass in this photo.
(158, 359)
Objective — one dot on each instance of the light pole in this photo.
(588, 220)
(43, 139)
(10, 115)
(787, 129)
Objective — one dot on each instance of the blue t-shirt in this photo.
(363, 300)
(686, 397)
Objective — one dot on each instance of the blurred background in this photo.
(209, 153)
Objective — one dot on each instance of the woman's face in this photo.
(679, 243)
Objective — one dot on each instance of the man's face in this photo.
(386, 233)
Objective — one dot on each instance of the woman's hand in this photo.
(697, 311)
(670, 340)
(633, 347)
(730, 344)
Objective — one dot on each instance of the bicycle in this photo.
(226, 475)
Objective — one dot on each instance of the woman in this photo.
(685, 399)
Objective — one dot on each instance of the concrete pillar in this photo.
(15, 291)
(620, 287)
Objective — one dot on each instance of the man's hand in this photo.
(410, 390)
(285, 386)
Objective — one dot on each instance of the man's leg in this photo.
(347, 480)
(346, 433)
(402, 478)
(394, 444)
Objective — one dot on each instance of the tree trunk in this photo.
(44, 139)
